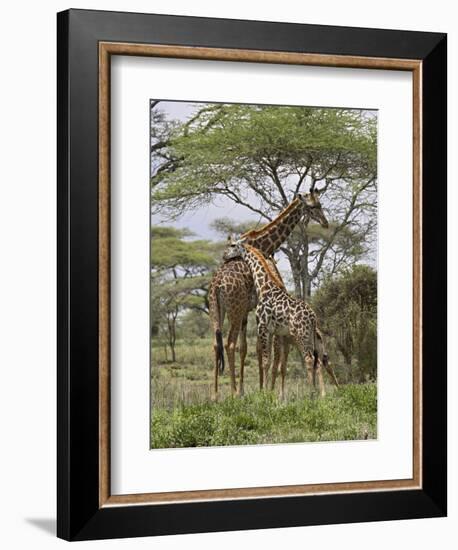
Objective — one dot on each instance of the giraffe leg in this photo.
(318, 371)
(308, 357)
(243, 352)
(309, 373)
(230, 348)
(284, 361)
(218, 350)
(330, 371)
(309, 361)
(278, 349)
(217, 316)
(215, 372)
(320, 346)
(266, 343)
(259, 353)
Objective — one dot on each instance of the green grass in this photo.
(183, 414)
(347, 413)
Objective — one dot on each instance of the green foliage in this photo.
(180, 275)
(347, 309)
(172, 248)
(227, 226)
(226, 145)
(349, 413)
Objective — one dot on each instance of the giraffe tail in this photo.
(325, 358)
(219, 350)
(316, 357)
(328, 366)
(317, 349)
(217, 317)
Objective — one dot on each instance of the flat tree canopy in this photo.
(259, 157)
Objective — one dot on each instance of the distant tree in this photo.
(259, 157)
(228, 226)
(195, 323)
(347, 310)
(180, 274)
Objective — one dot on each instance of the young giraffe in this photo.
(281, 345)
(232, 291)
(278, 313)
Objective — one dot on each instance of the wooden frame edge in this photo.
(417, 274)
(106, 49)
(104, 276)
(246, 493)
(257, 56)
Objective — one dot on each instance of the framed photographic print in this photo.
(252, 274)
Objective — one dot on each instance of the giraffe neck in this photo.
(263, 274)
(273, 235)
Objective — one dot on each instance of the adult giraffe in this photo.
(232, 290)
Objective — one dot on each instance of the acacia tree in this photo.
(260, 157)
(180, 274)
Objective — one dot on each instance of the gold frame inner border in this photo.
(106, 50)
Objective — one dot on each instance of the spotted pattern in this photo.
(231, 293)
(232, 290)
(278, 313)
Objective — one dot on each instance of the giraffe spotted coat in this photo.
(229, 292)
(279, 314)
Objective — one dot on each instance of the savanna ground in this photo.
(183, 414)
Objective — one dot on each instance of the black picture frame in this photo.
(79, 515)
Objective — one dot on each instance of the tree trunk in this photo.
(306, 283)
(296, 273)
(348, 369)
(298, 256)
(171, 322)
(301, 277)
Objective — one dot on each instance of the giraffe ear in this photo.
(308, 199)
(229, 238)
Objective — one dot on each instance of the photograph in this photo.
(263, 259)
(251, 275)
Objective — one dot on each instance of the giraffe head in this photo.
(313, 206)
(232, 249)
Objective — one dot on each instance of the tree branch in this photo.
(277, 182)
(339, 228)
(227, 192)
